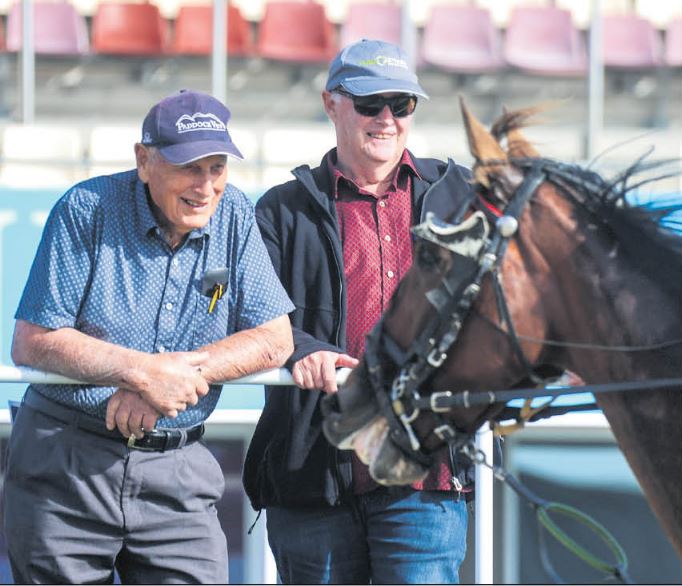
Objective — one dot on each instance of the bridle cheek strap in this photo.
(429, 351)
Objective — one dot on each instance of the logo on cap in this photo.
(382, 60)
(199, 121)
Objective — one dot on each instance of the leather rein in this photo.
(453, 299)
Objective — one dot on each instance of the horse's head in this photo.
(443, 331)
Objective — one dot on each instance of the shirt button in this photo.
(162, 349)
(169, 306)
(382, 204)
(387, 238)
(390, 274)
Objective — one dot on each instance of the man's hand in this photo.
(318, 370)
(173, 381)
(130, 413)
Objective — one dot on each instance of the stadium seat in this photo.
(462, 38)
(58, 29)
(371, 20)
(41, 155)
(128, 29)
(673, 43)
(543, 40)
(296, 31)
(630, 42)
(193, 26)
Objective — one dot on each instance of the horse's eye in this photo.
(427, 256)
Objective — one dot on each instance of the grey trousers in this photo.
(77, 505)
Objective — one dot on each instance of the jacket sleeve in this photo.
(304, 343)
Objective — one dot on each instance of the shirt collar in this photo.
(406, 165)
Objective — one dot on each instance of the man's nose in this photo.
(385, 113)
(204, 184)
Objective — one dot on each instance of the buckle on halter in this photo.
(435, 397)
(434, 360)
(445, 432)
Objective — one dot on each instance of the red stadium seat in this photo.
(58, 29)
(673, 43)
(631, 42)
(129, 29)
(193, 26)
(543, 40)
(371, 20)
(296, 31)
(463, 39)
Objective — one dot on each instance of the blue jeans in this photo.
(397, 536)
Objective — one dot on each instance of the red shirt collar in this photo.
(405, 167)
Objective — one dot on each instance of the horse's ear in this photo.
(518, 146)
(482, 145)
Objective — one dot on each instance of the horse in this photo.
(546, 270)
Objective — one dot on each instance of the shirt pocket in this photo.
(211, 327)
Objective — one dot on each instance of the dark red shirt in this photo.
(377, 252)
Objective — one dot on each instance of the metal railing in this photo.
(280, 377)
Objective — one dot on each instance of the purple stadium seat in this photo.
(543, 40)
(462, 38)
(371, 20)
(58, 29)
(296, 31)
(673, 43)
(631, 42)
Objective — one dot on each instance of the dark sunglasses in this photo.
(400, 106)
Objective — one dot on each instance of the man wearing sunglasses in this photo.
(339, 239)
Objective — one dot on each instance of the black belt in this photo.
(155, 440)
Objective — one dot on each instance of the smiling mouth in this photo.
(194, 204)
(379, 135)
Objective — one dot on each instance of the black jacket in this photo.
(289, 461)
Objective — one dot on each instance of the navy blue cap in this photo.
(187, 126)
(373, 67)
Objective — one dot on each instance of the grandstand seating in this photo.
(673, 43)
(371, 20)
(630, 42)
(193, 26)
(543, 40)
(462, 38)
(296, 32)
(129, 29)
(58, 29)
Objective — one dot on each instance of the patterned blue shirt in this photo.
(103, 268)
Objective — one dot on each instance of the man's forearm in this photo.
(71, 353)
(243, 353)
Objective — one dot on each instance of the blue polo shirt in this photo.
(103, 268)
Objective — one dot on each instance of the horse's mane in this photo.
(638, 229)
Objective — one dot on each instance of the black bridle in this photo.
(453, 298)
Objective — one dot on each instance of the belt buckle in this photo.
(132, 444)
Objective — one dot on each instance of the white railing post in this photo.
(483, 516)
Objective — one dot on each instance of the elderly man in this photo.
(339, 239)
(152, 286)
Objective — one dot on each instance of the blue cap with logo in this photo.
(373, 67)
(187, 126)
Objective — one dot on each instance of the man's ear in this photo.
(142, 156)
(329, 105)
